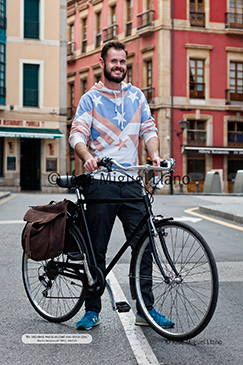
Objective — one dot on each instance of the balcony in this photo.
(145, 22)
(197, 90)
(197, 19)
(149, 94)
(232, 95)
(234, 21)
(70, 48)
(110, 33)
(196, 137)
(71, 112)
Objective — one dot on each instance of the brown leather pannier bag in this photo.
(44, 233)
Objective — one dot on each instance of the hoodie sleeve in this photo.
(147, 127)
(80, 130)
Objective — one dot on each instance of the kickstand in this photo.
(119, 306)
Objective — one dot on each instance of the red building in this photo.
(187, 57)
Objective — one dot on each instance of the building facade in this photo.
(32, 93)
(187, 57)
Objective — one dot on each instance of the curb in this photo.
(225, 215)
(4, 194)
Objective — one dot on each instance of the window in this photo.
(235, 133)
(197, 86)
(1, 157)
(31, 85)
(98, 30)
(129, 74)
(197, 15)
(113, 19)
(196, 167)
(97, 78)
(83, 86)
(71, 101)
(234, 164)
(71, 40)
(110, 32)
(3, 14)
(31, 19)
(236, 13)
(196, 132)
(129, 18)
(236, 81)
(84, 34)
(149, 90)
(2, 72)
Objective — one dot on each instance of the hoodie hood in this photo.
(118, 95)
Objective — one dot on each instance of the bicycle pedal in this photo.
(122, 307)
(75, 256)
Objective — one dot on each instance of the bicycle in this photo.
(184, 275)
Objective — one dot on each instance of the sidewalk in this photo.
(4, 194)
(227, 207)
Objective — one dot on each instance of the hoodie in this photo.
(110, 123)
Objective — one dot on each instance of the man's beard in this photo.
(116, 79)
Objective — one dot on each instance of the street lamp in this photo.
(183, 125)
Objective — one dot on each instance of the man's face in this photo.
(115, 65)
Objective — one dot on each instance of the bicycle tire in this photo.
(190, 301)
(56, 298)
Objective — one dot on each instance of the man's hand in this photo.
(91, 164)
(156, 161)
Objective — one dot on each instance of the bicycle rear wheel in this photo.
(187, 298)
(55, 291)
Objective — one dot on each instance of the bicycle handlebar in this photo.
(164, 165)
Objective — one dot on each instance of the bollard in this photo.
(181, 188)
(197, 187)
(233, 182)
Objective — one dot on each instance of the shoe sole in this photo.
(141, 322)
(80, 328)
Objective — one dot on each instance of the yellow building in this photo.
(32, 93)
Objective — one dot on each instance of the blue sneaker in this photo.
(89, 320)
(160, 319)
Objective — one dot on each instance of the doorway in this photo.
(30, 164)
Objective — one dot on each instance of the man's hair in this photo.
(114, 44)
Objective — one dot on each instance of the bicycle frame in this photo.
(147, 219)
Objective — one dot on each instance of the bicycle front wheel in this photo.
(54, 290)
(187, 292)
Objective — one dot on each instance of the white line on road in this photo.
(11, 222)
(138, 342)
(188, 219)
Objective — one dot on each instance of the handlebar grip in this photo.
(164, 163)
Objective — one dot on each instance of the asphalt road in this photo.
(116, 340)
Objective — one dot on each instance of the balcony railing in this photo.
(128, 29)
(98, 40)
(149, 94)
(71, 112)
(233, 95)
(235, 138)
(197, 19)
(31, 30)
(110, 33)
(3, 22)
(234, 20)
(145, 19)
(70, 48)
(31, 97)
(197, 90)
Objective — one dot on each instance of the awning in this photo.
(213, 150)
(30, 133)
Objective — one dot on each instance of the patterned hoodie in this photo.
(110, 123)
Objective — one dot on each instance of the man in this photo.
(109, 120)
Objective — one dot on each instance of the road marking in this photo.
(11, 222)
(230, 225)
(4, 200)
(138, 342)
(188, 219)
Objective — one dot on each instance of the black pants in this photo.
(101, 218)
